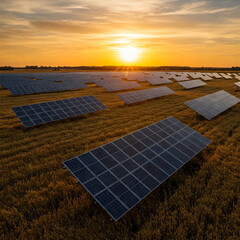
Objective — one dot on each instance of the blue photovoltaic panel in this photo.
(121, 173)
(192, 84)
(146, 94)
(213, 104)
(49, 86)
(40, 113)
(117, 85)
(157, 80)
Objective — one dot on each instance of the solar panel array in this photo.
(142, 78)
(158, 80)
(237, 84)
(205, 77)
(179, 77)
(21, 84)
(213, 104)
(146, 94)
(117, 85)
(40, 113)
(236, 76)
(11, 80)
(215, 75)
(192, 84)
(226, 75)
(194, 75)
(123, 172)
(45, 87)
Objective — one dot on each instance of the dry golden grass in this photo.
(41, 200)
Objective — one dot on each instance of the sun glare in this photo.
(129, 54)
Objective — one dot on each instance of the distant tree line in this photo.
(124, 68)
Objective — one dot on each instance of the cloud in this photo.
(100, 25)
(66, 26)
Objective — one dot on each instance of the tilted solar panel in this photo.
(117, 85)
(226, 75)
(192, 84)
(194, 75)
(205, 77)
(213, 104)
(158, 80)
(48, 86)
(180, 78)
(215, 75)
(146, 94)
(121, 173)
(40, 113)
(237, 84)
(236, 76)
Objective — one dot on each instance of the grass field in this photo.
(41, 200)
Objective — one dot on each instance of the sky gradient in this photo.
(91, 32)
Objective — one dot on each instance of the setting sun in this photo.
(129, 54)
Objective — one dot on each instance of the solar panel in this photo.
(117, 85)
(192, 84)
(121, 173)
(40, 113)
(204, 77)
(21, 84)
(8, 80)
(142, 78)
(236, 76)
(226, 75)
(162, 74)
(237, 84)
(158, 80)
(194, 75)
(215, 75)
(179, 78)
(48, 86)
(213, 104)
(141, 95)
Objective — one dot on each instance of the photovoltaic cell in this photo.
(40, 113)
(213, 104)
(192, 84)
(141, 95)
(122, 182)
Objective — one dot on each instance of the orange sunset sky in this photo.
(126, 32)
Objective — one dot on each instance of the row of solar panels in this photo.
(36, 114)
(24, 84)
(92, 77)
